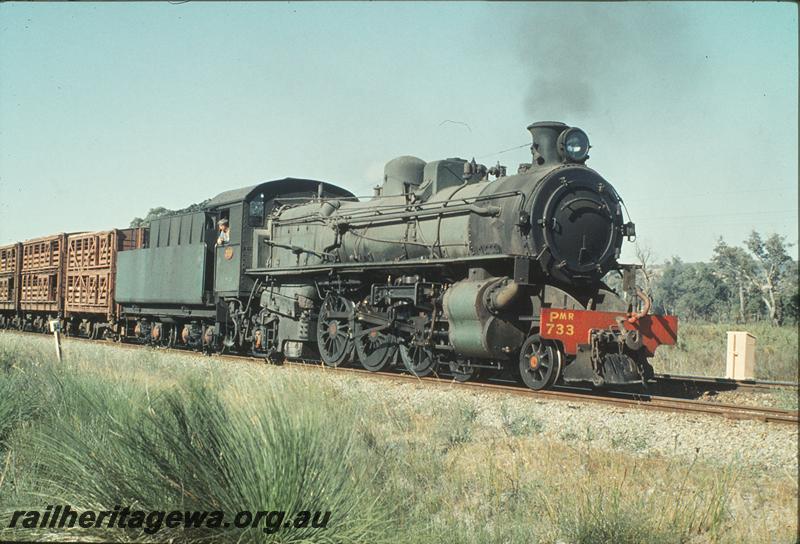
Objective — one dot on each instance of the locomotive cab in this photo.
(246, 210)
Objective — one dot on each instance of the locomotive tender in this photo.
(442, 270)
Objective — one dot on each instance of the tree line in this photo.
(757, 281)
(159, 212)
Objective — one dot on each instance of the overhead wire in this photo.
(527, 144)
(712, 215)
(696, 195)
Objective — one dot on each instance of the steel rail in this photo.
(723, 383)
(577, 394)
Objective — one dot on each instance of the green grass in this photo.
(702, 346)
(160, 431)
(102, 434)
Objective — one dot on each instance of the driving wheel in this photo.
(334, 328)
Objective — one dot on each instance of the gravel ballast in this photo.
(753, 444)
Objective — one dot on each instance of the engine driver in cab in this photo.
(224, 232)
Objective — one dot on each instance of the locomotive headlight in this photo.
(573, 144)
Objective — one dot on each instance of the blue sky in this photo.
(107, 110)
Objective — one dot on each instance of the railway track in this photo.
(627, 399)
(722, 384)
(578, 394)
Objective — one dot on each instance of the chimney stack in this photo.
(545, 137)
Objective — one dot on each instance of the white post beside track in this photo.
(741, 356)
(55, 326)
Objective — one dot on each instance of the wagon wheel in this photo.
(166, 336)
(334, 330)
(375, 349)
(463, 371)
(156, 334)
(539, 363)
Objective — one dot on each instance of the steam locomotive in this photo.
(451, 267)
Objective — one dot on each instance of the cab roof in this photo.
(276, 187)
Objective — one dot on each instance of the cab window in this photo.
(256, 213)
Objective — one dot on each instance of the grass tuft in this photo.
(197, 441)
(518, 425)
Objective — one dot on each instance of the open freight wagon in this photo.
(90, 277)
(9, 282)
(66, 276)
(41, 280)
